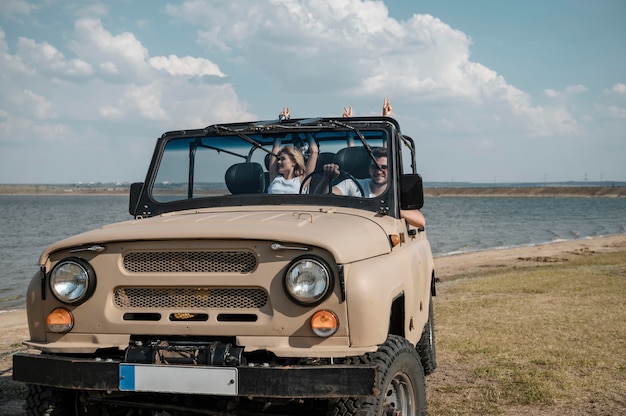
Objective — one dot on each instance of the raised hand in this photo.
(387, 107)
(285, 114)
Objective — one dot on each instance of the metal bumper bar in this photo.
(324, 381)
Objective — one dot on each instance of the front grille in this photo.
(190, 262)
(140, 297)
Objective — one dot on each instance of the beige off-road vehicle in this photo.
(220, 298)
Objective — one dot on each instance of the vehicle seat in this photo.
(354, 160)
(245, 178)
(266, 160)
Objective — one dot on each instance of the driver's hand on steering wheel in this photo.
(331, 170)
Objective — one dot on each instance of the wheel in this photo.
(342, 173)
(426, 345)
(311, 188)
(402, 385)
(48, 401)
(51, 401)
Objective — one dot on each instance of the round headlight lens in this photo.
(307, 281)
(72, 281)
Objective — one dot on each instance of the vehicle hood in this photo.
(349, 234)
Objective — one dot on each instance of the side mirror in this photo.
(411, 191)
(135, 192)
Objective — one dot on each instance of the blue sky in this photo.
(491, 90)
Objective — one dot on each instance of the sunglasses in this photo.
(379, 167)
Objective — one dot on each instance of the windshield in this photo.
(230, 163)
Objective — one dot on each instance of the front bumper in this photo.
(323, 381)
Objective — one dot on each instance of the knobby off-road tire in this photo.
(426, 345)
(47, 401)
(402, 385)
(51, 401)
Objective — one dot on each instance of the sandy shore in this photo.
(472, 264)
(13, 324)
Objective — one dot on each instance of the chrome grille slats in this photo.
(196, 297)
(214, 261)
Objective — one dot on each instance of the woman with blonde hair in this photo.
(287, 166)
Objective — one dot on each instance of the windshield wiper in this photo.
(358, 134)
(244, 137)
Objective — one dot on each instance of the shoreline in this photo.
(470, 264)
(590, 191)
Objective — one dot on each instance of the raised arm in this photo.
(273, 167)
(284, 114)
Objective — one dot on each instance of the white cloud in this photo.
(46, 58)
(91, 83)
(34, 104)
(354, 48)
(18, 130)
(619, 88)
(576, 89)
(147, 99)
(550, 93)
(123, 87)
(11, 8)
(568, 91)
(10, 64)
(617, 112)
(109, 68)
(121, 54)
(187, 65)
(111, 113)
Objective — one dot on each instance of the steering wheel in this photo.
(330, 183)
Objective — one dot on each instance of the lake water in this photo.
(29, 223)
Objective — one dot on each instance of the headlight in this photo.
(308, 281)
(72, 281)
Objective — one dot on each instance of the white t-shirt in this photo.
(349, 188)
(280, 185)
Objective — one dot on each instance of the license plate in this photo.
(221, 381)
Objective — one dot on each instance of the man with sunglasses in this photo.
(373, 186)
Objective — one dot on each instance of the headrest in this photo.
(354, 160)
(245, 178)
(324, 158)
(266, 160)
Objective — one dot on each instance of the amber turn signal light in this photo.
(324, 323)
(395, 239)
(60, 320)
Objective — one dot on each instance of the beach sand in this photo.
(13, 324)
(473, 264)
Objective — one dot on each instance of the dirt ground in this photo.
(13, 329)
(13, 324)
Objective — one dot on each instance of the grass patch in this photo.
(547, 339)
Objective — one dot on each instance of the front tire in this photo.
(426, 345)
(47, 401)
(402, 386)
(51, 401)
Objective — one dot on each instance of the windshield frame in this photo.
(355, 128)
